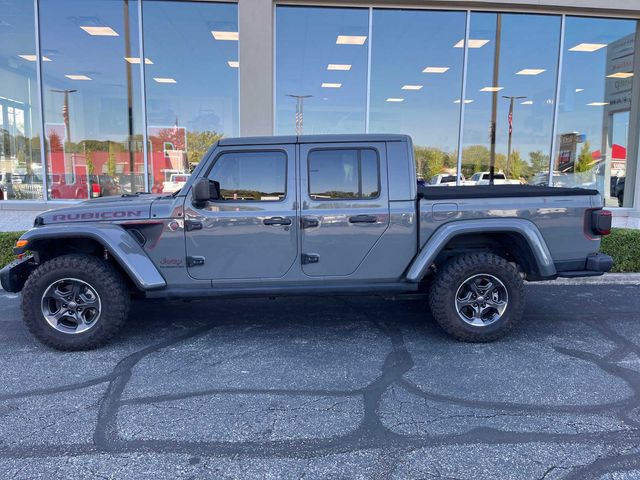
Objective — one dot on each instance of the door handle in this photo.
(277, 221)
(363, 219)
(309, 222)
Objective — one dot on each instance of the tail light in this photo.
(95, 190)
(600, 222)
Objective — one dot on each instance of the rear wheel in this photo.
(75, 302)
(477, 297)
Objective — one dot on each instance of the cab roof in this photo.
(283, 139)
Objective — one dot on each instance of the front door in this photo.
(345, 206)
(251, 232)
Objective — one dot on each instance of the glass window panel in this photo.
(191, 82)
(416, 80)
(511, 81)
(251, 176)
(370, 174)
(321, 70)
(343, 174)
(91, 93)
(20, 165)
(595, 102)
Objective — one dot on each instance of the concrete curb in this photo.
(606, 279)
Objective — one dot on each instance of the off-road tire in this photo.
(102, 277)
(453, 274)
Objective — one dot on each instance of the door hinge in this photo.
(190, 225)
(310, 258)
(195, 261)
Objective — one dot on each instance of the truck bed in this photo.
(499, 191)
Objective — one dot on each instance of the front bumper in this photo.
(596, 264)
(14, 275)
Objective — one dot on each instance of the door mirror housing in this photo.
(204, 190)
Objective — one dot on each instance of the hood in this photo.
(105, 209)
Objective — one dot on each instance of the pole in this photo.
(127, 66)
(494, 99)
(299, 118)
(512, 99)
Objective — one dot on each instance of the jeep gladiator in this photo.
(337, 214)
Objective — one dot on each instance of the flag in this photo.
(510, 123)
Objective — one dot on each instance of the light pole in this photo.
(299, 111)
(512, 100)
(68, 163)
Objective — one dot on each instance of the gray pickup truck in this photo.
(310, 215)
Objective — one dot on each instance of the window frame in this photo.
(271, 150)
(359, 149)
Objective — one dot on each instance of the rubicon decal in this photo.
(108, 215)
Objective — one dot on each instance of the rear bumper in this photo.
(596, 265)
(14, 275)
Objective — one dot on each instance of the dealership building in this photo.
(104, 97)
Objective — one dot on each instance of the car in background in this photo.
(444, 180)
(82, 186)
(483, 178)
(618, 190)
(559, 179)
(176, 182)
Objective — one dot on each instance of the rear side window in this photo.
(251, 176)
(343, 174)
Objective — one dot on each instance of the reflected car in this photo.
(444, 180)
(81, 186)
(483, 178)
(176, 182)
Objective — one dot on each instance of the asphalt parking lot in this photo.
(334, 387)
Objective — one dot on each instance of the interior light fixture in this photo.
(578, 90)
(531, 71)
(587, 47)
(164, 79)
(412, 87)
(435, 69)
(527, 102)
(351, 39)
(136, 60)
(466, 101)
(338, 66)
(99, 31)
(233, 63)
(491, 89)
(331, 85)
(473, 43)
(77, 77)
(395, 100)
(33, 58)
(224, 35)
(597, 104)
(620, 75)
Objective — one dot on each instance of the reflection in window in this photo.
(191, 76)
(595, 103)
(343, 174)
(416, 78)
(92, 101)
(511, 80)
(321, 70)
(252, 176)
(20, 166)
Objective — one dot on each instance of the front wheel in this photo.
(477, 297)
(75, 302)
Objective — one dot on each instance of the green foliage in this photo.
(91, 168)
(7, 242)
(539, 162)
(585, 160)
(198, 143)
(111, 162)
(624, 246)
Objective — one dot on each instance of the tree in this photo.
(539, 162)
(585, 160)
(91, 169)
(198, 143)
(429, 161)
(475, 158)
(111, 162)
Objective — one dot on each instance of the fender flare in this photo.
(527, 229)
(120, 244)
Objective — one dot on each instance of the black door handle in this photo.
(310, 222)
(363, 219)
(277, 221)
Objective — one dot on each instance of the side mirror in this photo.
(204, 190)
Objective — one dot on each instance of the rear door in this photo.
(250, 233)
(344, 205)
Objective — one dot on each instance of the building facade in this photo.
(104, 97)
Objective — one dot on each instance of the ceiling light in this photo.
(531, 71)
(527, 102)
(620, 75)
(412, 87)
(222, 35)
(233, 63)
(33, 58)
(587, 47)
(78, 77)
(164, 80)
(578, 90)
(396, 100)
(136, 60)
(466, 101)
(331, 85)
(338, 66)
(472, 43)
(100, 31)
(351, 39)
(597, 104)
(435, 69)
(491, 89)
